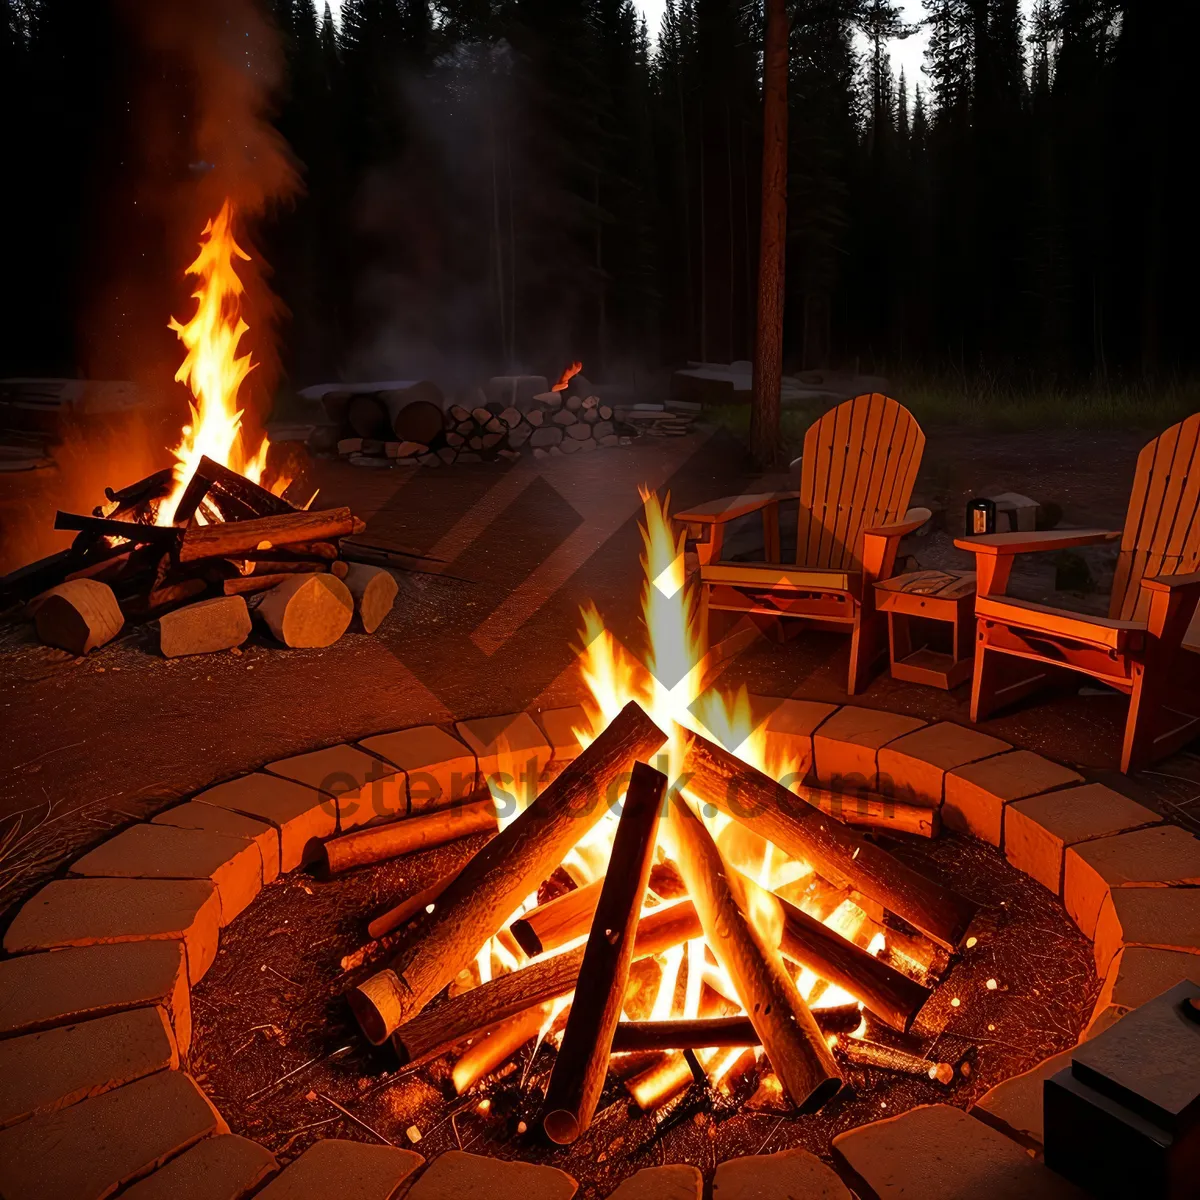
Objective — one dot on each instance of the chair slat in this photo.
(841, 451)
(878, 413)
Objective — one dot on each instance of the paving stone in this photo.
(41, 991)
(226, 1167)
(347, 1170)
(366, 788)
(456, 1174)
(303, 815)
(559, 724)
(1162, 918)
(784, 1176)
(913, 768)
(233, 864)
(936, 1152)
(512, 751)
(788, 726)
(43, 1072)
(90, 912)
(846, 746)
(662, 1183)
(87, 1151)
(1162, 855)
(194, 815)
(1138, 974)
(1102, 1020)
(1038, 831)
(439, 767)
(1014, 1107)
(976, 794)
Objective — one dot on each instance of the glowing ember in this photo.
(567, 376)
(212, 367)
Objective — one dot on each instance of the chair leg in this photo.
(868, 644)
(1145, 711)
(1002, 679)
(983, 683)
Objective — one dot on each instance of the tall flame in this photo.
(212, 368)
(567, 376)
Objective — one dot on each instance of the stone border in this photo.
(95, 1013)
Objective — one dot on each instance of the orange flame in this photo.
(212, 368)
(567, 376)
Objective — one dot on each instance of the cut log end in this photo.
(79, 616)
(204, 628)
(378, 1005)
(308, 611)
(374, 591)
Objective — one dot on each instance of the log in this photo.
(868, 810)
(297, 566)
(36, 577)
(233, 495)
(408, 908)
(339, 569)
(246, 585)
(504, 872)
(297, 552)
(582, 1063)
(697, 1034)
(374, 591)
(78, 616)
(558, 921)
(205, 627)
(382, 842)
(664, 1081)
(144, 490)
(132, 531)
(173, 593)
(417, 415)
(872, 1054)
(367, 415)
(835, 851)
(789, 1034)
(453, 1021)
(236, 539)
(307, 611)
(489, 1052)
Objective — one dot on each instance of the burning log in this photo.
(872, 1054)
(790, 1036)
(396, 916)
(79, 616)
(307, 610)
(582, 1063)
(558, 921)
(489, 1052)
(505, 871)
(871, 811)
(297, 552)
(664, 1081)
(699, 1034)
(382, 842)
(141, 493)
(236, 539)
(234, 496)
(467, 1015)
(837, 852)
(131, 531)
(374, 591)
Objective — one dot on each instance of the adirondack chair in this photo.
(857, 471)
(1140, 648)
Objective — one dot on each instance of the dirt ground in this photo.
(89, 746)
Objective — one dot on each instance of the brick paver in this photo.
(782, 1176)
(456, 1174)
(1162, 918)
(226, 1167)
(913, 768)
(511, 750)
(345, 1170)
(366, 788)
(440, 769)
(195, 815)
(662, 1183)
(845, 747)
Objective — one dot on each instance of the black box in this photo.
(1123, 1120)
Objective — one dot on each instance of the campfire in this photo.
(218, 523)
(665, 910)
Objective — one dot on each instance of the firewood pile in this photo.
(231, 545)
(511, 416)
(643, 906)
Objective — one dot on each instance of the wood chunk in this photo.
(405, 449)
(778, 1177)
(225, 1167)
(88, 1151)
(374, 591)
(913, 767)
(456, 1175)
(940, 1153)
(365, 786)
(345, 1169)
(1038, 831)
(91, 912)
(205, 627)
(78, 616)
(236, 539)
(303, 815)
(676, 1182)
(308, 611)
(42, 991)
(440, 769)
(846, 746)
(195, 815)
(233, 864)
(1163, 856)
(43, 1072)
(976, 794)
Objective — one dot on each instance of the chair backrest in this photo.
(860, 461)
(1162, 526)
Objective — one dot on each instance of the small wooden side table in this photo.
(939, 596)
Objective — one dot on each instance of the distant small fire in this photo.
(567, 376)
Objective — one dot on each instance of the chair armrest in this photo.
(729, 508)
(1172, 583)
(912, 521)
(1173, 604)
(1030, 543)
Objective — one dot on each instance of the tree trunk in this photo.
(768, 346)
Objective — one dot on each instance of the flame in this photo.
(567, 376)
(213, 369)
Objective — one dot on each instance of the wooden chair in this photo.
(1140, 647)
(857, 471)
